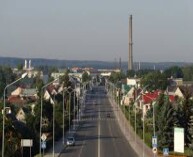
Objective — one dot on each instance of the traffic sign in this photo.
(165, 151)
(154, 150)
(154, 141)
(43, 137)
(43, 145)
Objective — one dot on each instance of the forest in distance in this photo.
(36, 62)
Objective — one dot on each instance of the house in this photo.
(175, 81)
(21, 114)
(16, 100)
(182, 91)
(51, 90)
(133, 82)
(78, 76)
(179, 91)
(17, 91)
(147, 99)
(21, 94)
(128, 96)
(30, 93)
(57, 75)
(130, 93)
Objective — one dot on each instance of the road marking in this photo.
(82, 146)
(99, 134)
(111, 134)
(96, 119)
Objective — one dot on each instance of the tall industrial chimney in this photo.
(120, 66)
(25, 65)
(130, 61)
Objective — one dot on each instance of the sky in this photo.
(97, 29)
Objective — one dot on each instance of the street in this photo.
(99, 134)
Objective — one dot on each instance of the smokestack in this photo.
(120, 66)
(25, 65)
(130, 61)
(29, 64)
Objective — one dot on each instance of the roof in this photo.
(149, 97)
(16, 100)
(185, 89)
(51, 89)
(29, 92)
(171, 89)
(172, 98)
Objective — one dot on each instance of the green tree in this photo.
(116, 77)
(38, 83)
(185, 111)
(165, 120)
(154, 80)
(131, 73)
(188, 73)
(175, 72)
(139, 73)
(20, 66)
(65, 79)
(85, 77)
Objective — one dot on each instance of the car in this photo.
(70, 141)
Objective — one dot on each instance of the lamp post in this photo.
(153, 104)
(41, 110)
(70, 92)
(63, 115)
(143, 129)
(138, 97)
(3, 132)
(53, 127)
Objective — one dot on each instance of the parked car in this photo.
(70, 141)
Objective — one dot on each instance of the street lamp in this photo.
(138, 97)
(70, 92)
(41, 110)
(3, 136)
(153, 104)
(63, 117)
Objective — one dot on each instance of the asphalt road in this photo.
(99, 135)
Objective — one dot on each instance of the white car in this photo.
(70, 141)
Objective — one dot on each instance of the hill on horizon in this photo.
(13, 62)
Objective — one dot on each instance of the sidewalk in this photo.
(129, 133)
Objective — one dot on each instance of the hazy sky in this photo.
(97, 29)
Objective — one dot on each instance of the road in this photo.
(99, 135)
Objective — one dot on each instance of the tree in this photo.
(175, 72)
(184, 110)
(85, 77)
(38, 83)
(65, 79)
(131, 73)
(20, 66)
(139, 73)
(188, 73)
(154, 80)
(116, 77)
(165, 120)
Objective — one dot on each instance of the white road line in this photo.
(99, 134)
(82, 147)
